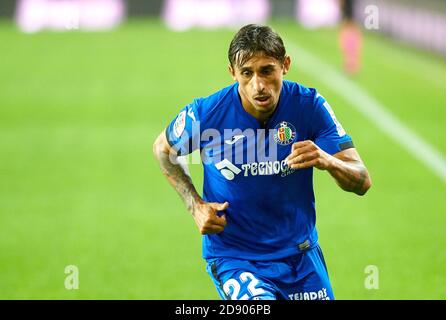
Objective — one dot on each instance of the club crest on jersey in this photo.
(285, 133)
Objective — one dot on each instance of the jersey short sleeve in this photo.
(328, 133)
(183, 132)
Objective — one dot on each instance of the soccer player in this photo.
(350, 39)
(260, 139)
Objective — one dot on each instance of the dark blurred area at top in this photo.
(280, 8)
(420, 23)
(134, 7)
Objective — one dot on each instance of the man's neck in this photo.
(262, 117)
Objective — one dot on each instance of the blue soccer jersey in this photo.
(271, 212)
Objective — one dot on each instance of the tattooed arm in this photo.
(176, 172)
(349, 172)
(346, 167)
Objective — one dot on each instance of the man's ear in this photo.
(232, 72)
(286, 65)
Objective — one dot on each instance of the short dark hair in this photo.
(252, 39)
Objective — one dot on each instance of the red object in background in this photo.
(350, 39)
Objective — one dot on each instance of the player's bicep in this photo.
(161, 144)
(328, 132)
(183, 132)
(348, 155)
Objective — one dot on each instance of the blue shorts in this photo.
(300, 277)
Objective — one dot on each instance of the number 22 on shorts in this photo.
(232, 287)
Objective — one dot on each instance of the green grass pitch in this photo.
(79, 186)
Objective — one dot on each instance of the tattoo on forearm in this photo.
(357, 178)
(179, 180)
(353, 177)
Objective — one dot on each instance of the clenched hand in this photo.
(206, 218)
(306, 154)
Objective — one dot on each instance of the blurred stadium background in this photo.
(85, 87)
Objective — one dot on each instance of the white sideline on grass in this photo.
(370, 108)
